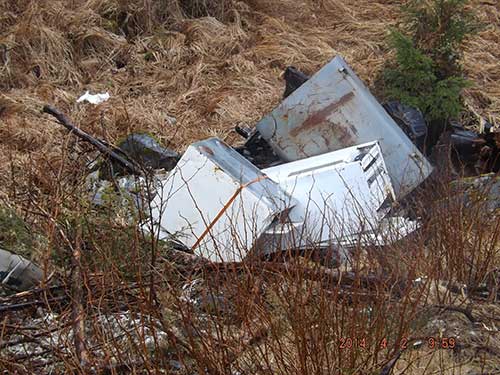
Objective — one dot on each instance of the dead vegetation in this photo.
(427, 304)
(211, 65)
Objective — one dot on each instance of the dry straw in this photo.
(158, 60)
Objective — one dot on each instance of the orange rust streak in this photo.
(226, 206)
(321, 116)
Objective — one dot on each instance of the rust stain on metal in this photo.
(342, 135)
(326, 140)
(320, 116)
(206, 149)
(352, 127)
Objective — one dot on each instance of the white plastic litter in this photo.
(93, 98)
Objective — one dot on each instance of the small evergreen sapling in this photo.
(427, 72)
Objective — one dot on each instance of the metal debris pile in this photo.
(321, 172)
(336, 161)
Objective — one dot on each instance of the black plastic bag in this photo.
(411, 120)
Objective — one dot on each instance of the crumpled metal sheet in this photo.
(17, 272)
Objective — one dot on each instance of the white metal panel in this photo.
(216, 202)
(339, 194)
(334, 110)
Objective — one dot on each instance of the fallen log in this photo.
(190, 264)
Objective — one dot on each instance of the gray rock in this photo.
(483, 190)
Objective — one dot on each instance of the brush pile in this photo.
(114, 300)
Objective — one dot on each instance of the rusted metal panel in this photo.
(334, 110)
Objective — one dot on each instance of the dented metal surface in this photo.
(334, 110)
(339, 195)
(216, 202)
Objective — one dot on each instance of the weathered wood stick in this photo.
(39, 302)
(63, 120)
(191, 262)
(77, 311)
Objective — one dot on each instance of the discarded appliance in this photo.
(224, 208)
(216, 202)
(339, 194)
(18, 273)
(333, 110)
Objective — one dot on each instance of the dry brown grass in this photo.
(212, 73)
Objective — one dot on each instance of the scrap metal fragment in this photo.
(17, 272)
(333, 110)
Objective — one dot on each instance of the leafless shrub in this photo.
(148, 307)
